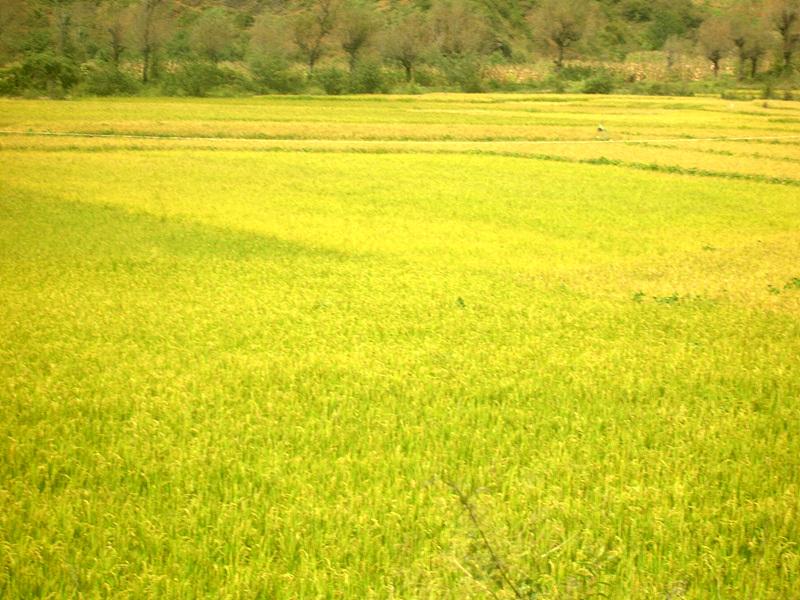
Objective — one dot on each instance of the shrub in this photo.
(40, 72)
(204, 79)
(599, 84)
(107, 80)
(768, 91)
(332, 79)
(779, 88)
(577, 72)
(465, 72)
(497, 84)
(234, 83)
(661, 88)
(426, 76)
(368, 78)
(274, 74)
(555, 84)
(198, 78)
(9, 81)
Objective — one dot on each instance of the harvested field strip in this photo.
(672, 159)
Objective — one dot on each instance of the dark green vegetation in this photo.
(328, 366)
(246, 47)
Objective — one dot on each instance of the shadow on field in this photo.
(34, 227)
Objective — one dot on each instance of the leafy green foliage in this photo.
(602, 83)
(333, 80)
(198, 78)
(43, 72)
(202, 78)
(671, 18)
(106, 80)
(368, 78)
(454, 44)
(276, 74)
(466, 73)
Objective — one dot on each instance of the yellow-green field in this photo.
(400, 347)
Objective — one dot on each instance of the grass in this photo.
(358, 372)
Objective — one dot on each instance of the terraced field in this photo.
(400, 347)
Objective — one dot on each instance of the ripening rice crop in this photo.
(332, 368)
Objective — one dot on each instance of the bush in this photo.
(332, 79)
(40, 72)
(465, 72)
(368, 78)
(426, 76)
(9, 81)
(577, 72)
(274, 74)
(107, 80)
(555, 84)
(199, 78)
(663, 88)
(599, 84)
(779, 88)
(496, 84)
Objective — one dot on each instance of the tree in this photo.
(268, 55)
(311, 28)
(561, 24)
(750, 36)
(740, 24)
(755, 49)
(714, 37)
(62, 23)
(48, 72)
(14, 15)
(407, 41)
(150, 23)
(672, 18)
(212, 35)
(462, 39)
(269, 36)
(13, 27)
(113, 22)
(784, 16)
(457, 30)
(675, 48)
(357, 27)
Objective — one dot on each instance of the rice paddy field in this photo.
(443, 346)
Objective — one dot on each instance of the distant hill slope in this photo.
(623, 26)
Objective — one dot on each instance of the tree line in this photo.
(192, 47)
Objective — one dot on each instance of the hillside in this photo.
(294, 45)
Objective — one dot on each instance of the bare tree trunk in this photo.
(785, 28)
(742, 59)
(116, 45)
(145, 63)
(149, 37)
(64, 22)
